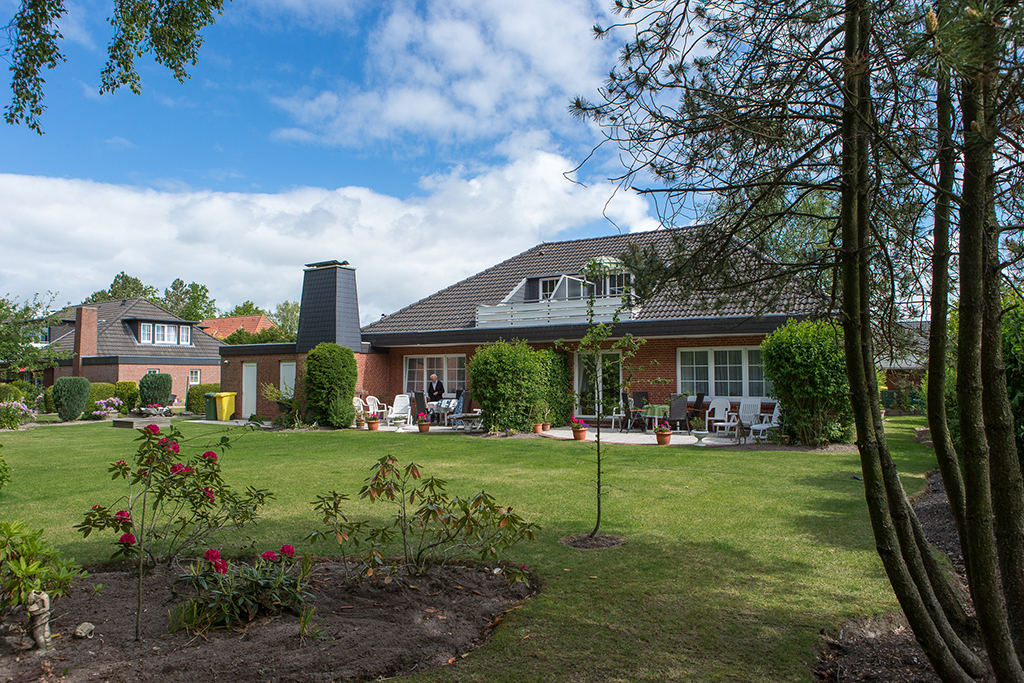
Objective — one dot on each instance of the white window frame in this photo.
(165, 334)
(551, 283)
(578, 379)
(153, 371)
(184, 335)
(198, 374)
(146, 333)
(449, 365)
(746, 379)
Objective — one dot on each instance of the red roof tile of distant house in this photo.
(222, 327)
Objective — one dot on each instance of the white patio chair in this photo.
(759, 430)
(716, 414)
(737, 423)
(359, 406)
(619, 415)
(402, 406)
(374, 405)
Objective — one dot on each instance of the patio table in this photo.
(655, 411)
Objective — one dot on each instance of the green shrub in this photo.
(556, 385)
(99, 391)
(13, 414)
(128, 392)
(5, 471)
(29, 563)
(48, 403)
(70, 396)
(807, 368)
(155, 389)
(330, 378)
(195, 399)
(10, 393)
(507, 380)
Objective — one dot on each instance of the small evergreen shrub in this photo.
(99, 391)
(330, 378)
(70, 396)
(155, 389)
(805, 362)
(48, 404)
(195, 399)
(128, 392)
(556, 385)
(10, 393)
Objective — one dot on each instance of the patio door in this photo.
(598, 378)
(249, 390)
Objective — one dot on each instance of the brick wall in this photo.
(268, 371)
(85, 338)
(209, 374)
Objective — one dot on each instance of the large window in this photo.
(722, 372)
(598, 378)
(159, 333)
(451, 370)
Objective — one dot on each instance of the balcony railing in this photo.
(549, 312)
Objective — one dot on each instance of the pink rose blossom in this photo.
(212, 555)
(120, 463)
(95, 507)
(127, 539)
(152, 429)
(288, 551)
(210, 455)
(220, 566)
(123, 516)
(181, 468)
(269, 556)
(209, 493)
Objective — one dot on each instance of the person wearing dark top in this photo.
(435, 390)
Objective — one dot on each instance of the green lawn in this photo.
(735, 559)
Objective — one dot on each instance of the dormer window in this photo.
(146, 333)
(161, 333)
(547, 288)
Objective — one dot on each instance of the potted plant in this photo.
(697, 429)
(579, 429)
(540, 410)
(423, 422)
(663, 433)
(372, 421)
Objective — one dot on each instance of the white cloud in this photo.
(73, 236)
(118, 142)
(463, 70)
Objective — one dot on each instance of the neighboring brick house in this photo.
(124, 339)
(700, 345)
(221, 328)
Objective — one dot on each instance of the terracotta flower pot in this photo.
(546, 426)
(424, 427)
(664, 438)
(538, 427)
(372, 426)
(579, 434)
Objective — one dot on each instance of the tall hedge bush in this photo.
(330, 384)
(507, 380)
(195, 399)
(555, 385)
(155, 389)
(807, 368)
(99, 391)
(128, 392)
(48, 403)
(70, 396)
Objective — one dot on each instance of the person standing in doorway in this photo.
(435, 392)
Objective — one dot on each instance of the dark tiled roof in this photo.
(454, 308)
(114, 338)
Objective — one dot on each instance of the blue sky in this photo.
(421, 141)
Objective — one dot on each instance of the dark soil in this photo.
(595, 542)
(365, 631)
(883, 648)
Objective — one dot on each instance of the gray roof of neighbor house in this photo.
(115, 338)
(454, 308)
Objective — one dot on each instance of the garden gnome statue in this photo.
(39, 620)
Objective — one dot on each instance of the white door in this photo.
(248, 389)
(287, 377)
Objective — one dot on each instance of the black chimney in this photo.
(329, 307)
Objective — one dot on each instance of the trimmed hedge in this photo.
(70, 396)
(195, 399)
(128, 392)
(97, 392)
(155, 389)
(10, 393)
(507, 381)
(48, 403)
(330, 384)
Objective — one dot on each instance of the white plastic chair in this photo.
(359, 406)
(402, 406)
(759, 431)
(374, 405)
(716, 414)
(749, 412)
(618, 415)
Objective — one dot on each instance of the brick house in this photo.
(223, 327)
(124, 339)
(700, 345)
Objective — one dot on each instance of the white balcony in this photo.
(550, 312)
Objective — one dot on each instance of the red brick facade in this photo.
(208, 374)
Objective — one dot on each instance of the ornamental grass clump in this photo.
(230, 593)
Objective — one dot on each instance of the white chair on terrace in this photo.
(359, 406)
(717, 414)
(759, 431)
(737, 423)
(402, 407)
